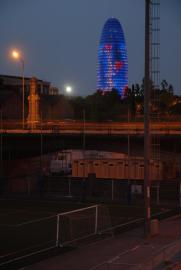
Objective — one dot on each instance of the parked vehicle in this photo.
(61, 164)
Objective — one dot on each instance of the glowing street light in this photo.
(17, 56)
(68, 89)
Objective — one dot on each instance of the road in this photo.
(93, 128)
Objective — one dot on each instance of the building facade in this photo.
(11, 98)
(112, 71)
(43, 87)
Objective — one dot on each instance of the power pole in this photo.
(147, 122)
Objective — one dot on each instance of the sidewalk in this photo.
(125, 251)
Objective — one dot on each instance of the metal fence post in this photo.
(164, 255)
(69, 187)
(96, 219)
(28, 186)
(112, 195)
(158, 194)
(57, 231)
(152, 263)
(180, 194)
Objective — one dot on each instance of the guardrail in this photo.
(101, 131)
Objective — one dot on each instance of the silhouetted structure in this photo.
(11, 97)
(43, 87)
(33, 102)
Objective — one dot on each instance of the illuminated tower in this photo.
(33, 102)
(112, 58)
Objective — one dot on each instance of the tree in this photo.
(166, 97)
(164, 85)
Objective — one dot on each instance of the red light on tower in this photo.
(118, 65)
(108, 47)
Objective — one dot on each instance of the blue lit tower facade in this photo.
(112, 58)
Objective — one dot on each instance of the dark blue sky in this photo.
(59, 39)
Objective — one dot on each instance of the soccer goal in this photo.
(39, 235)
(82, 223)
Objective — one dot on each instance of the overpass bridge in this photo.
(109, 136)
(95, 128)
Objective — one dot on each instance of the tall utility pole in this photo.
(147, 121)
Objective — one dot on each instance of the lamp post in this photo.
(17, 56)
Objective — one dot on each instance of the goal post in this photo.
(81, 223)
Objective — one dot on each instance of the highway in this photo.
(95, 128)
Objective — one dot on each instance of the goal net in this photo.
(82, 223)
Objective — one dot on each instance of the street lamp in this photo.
(68, 89)
(17, 56)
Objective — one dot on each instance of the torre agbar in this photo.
(112, 69)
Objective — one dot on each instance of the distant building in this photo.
(53, 91)
(8, 81)
(112, 70)
(51, 104)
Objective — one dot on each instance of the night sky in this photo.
(59, 39)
